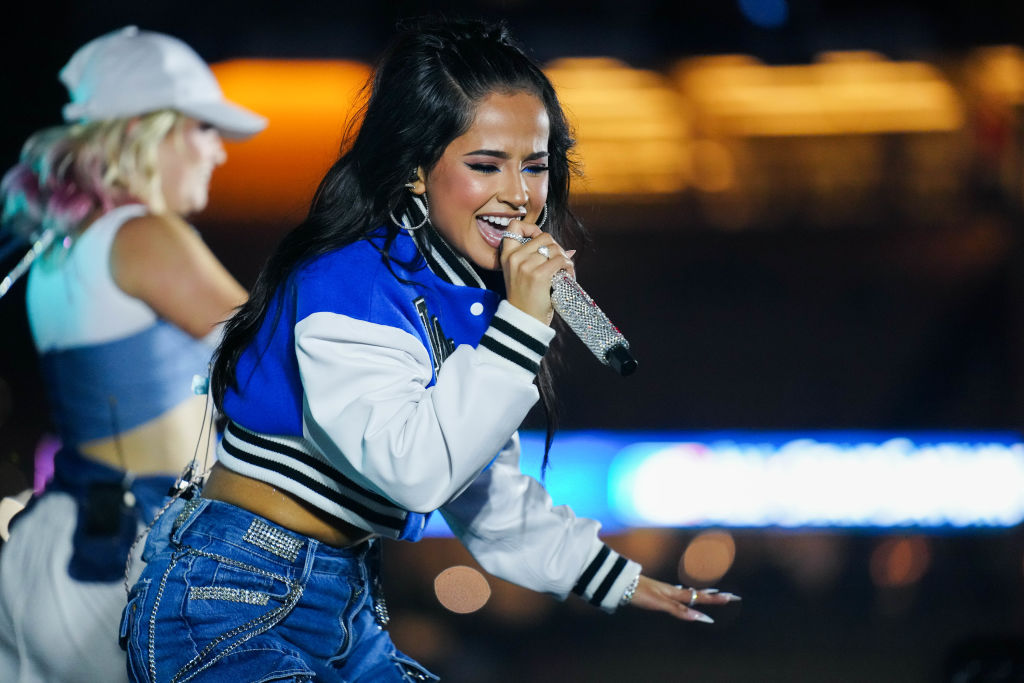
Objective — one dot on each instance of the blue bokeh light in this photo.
(765, 13)
(736, 479)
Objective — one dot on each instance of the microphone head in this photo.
(621, 360)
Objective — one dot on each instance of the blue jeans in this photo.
(228, 596)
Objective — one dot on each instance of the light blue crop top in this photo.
(108, 361)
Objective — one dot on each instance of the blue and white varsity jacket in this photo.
(380, 392)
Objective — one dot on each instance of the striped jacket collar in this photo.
(444, 261)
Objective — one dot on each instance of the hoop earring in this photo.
(423, 206)
(544, 215)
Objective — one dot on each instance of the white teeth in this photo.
(503, 221)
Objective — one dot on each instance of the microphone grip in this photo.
(590, 324)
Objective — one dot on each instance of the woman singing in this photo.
(378, 374)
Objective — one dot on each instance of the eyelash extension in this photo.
(483, 168)
(490, 168)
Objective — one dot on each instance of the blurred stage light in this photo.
(641, 134)
(998, 72)
(42, 470)
(462, 589)
(714, 168)
(631, 126)
(899, 562)
(707, 558)
(850, 480)
(844, 93)
(765, 13)
(271, 177)
(815, 482)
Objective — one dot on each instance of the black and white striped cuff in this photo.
(517, 338)
(606, 579)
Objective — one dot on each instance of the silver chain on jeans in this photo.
(380, 605)
(265, 622)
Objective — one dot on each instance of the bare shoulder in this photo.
(150, 231)
(150, 248)
(163, 261)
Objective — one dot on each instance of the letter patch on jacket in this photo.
(440, 346)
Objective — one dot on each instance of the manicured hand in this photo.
(677, 600)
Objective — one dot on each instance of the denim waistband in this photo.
(226, 523)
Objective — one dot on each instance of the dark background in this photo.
(883, 317)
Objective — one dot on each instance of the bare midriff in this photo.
(164, 445)
(280, 507)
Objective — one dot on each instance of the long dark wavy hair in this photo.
(423, 95)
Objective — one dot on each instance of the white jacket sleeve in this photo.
(369, 409)
(508, 523)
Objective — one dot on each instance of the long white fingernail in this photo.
(731, 597)
(709, 591)
(700, 616)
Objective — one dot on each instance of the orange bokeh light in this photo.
(707, 558)
(899, 562)
(272, 176)
(462, 589)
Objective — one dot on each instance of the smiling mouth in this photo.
(491, 227)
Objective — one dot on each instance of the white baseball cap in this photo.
(129, 72)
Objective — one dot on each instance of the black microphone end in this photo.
(621, 360)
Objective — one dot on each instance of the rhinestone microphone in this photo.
(585, 319)
(590, 324)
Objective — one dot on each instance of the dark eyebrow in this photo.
(503, 155)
